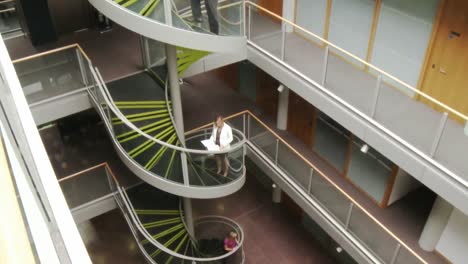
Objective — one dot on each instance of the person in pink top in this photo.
(231, 241)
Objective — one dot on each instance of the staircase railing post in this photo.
(82, 67)
(168, 12)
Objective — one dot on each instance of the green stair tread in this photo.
(157, 13)
(138, 6)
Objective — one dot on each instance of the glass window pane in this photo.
(331, 141)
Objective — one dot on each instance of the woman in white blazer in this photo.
(221, 136)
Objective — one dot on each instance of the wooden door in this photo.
(446, 73)
(275, 6)
(267, 94)
(70, 16)
(229, 74)
(301, 118)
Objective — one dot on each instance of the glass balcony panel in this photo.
(372, 235)
(262, 138)
(294, 166)
(451, 150)
(332, 199)
(265, 32)
(411, 120)
(48, 76)
(304, 52)
(350, 80)
(406, 257)
(227, 20)
(85, 187)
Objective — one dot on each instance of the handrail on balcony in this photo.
(15, 246)
(79, 173)
(384, 73)
(48, 52)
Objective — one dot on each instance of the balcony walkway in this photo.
(410, 119)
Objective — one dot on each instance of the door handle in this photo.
(442, 70)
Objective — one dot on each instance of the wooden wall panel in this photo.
(267, 94)
(275, 6)
(301, 118)
(229, 74)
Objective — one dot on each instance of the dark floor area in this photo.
(108, 239)
(104, 49)
(272, 235)
(79, 142)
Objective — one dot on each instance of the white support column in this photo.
(283, 103)
(435, 224)
(276, 195)
(171, 54)
(288, 13)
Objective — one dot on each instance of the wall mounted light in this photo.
(364, 148)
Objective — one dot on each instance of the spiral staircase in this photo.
(172, 164)
(171, 22)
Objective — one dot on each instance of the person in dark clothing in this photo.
(212, 10)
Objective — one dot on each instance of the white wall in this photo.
(402, 37)
(311, 15)
(454, 241)
(404, 184)
(350, 25)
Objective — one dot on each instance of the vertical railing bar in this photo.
(438, 135)
(147, 52)
(248, 126)
(243, 123)
(82, 67)
(250, 23)
(167, 12)
(309, 186)
(276, 151)
(325, 65)
(348, 217)
(395, 254)
(242, 25)
(376, 96)
(283, 41)
(110, 118)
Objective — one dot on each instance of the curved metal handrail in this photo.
(169, 34)
(143, 231)
(110, 103)
(178, 188)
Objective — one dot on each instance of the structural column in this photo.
(283, 103)
(435, 224)
(174, 88)
(276, 195)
